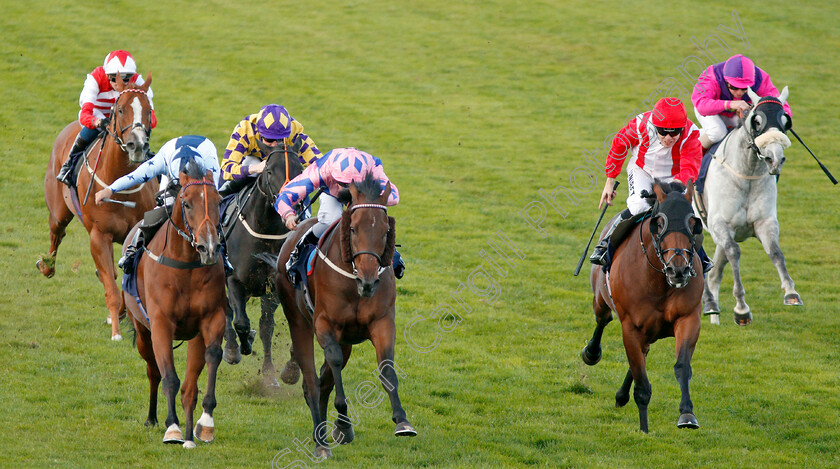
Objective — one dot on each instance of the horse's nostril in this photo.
(202, 249)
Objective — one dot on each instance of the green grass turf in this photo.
(475, 108)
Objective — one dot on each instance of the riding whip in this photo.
(311, 201)
(825, 170)
(126, 203)
(585, 251)
(93, 174)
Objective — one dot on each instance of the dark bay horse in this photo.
(181, 296)
(256, 230)
(114, 155)
(353, 291)
(654, 287)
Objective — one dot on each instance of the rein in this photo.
(355, 274)
(117, 136)
(657, 248)
(271, 196)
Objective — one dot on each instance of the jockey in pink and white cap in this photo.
(96, 99)
(720, 96)
(331, 172)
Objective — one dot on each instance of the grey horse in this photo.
(740, 200)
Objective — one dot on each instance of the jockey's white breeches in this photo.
(638, 180)
(329, 211)
(715, 127)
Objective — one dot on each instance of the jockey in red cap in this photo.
(720, 96)
(97, 98)
(663, 144)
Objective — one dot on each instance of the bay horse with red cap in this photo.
(353, 293)
(113, 155)
(654, 287)
(180, 295)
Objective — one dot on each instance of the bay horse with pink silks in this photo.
(353, 292)
(654, 287)
(113, 155)
(180, 295)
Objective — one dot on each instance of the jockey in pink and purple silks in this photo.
(720, 96)
(331, 173)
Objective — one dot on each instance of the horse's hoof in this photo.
(714, 318)
(621, 400)
(46, 268)
(150, 423)
(173, 435)
(688, 420)
(343, 435)
(116, 337)
(189, 444)
(290, 373)
(322, 452)
(270, 381)
(405, 429)
(232, 355)
(108, 320)
(743, 319)
(204, 429)
(588, 358)
(793, 299)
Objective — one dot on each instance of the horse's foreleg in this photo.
(189, 390)
(636, 348)
(343, 433)
(162, 343)
(268, 303)
(711, 289)
(212, 330)
(238, 301)
(102, 250)
(733, 255)
(144, 347)
(383, 336)
(231, 353)
(767, 231)
(686, 333)
(60, 217)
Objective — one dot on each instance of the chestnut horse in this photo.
(181, 296)
(654, 287)
(255, 233)
(353, 291)
(113, 155)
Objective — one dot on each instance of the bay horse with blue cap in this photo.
(654, 286)
(116, 153)
(180, 295)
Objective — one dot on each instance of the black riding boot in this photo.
(126, 262)
(228, 265)
(600, 255)
(294, 257)
(704, 258)
(234, 186)
(65, 174)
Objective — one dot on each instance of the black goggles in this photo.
(125, 77)
(672, 132)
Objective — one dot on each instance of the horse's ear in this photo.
(754, 97)
(660, 194)
(783, 96)
(354, 193)
(383, 197)
(119, 85)
(689, 193)
(147, 83)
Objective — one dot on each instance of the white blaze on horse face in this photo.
(138, 131)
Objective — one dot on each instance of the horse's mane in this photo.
(369, 187)
(668, 187)
(193, 167)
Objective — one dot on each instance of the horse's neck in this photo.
(115, 165)
(260, 212)
(742, 158)
(176, 246)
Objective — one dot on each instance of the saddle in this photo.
(704, 168)
(621, 231)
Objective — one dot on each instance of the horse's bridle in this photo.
(117, 136)
(272, 195)
(750, 136)
(354, 255)
(190, 238)
(657, 243)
